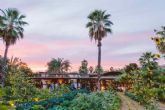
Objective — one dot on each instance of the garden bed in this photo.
(107, 100)
(45, 104)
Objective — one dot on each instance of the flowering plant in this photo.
(160, 40)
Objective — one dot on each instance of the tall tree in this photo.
(84, 67)
(11, 27)
(58, 65)
(11, 30)
(99, 25)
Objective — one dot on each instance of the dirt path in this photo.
(162, 106)
(129, 104)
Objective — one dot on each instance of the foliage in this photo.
(58, 65)
(160, 40)
(132, 96)
(107, 100)
(128, 73)
(38, 107)
(49, 102)
(144, 86)
(148, 60)
(18, 86)
(160, 84)
(131, 67)
(6, 107)
(11, 25)
(11, 29)
(84, 67)
(148, 106)
(147, 83)
(2, 93)
(152, 106)
(61, 89)
(98, 70)
(99, 25)
(44, 94)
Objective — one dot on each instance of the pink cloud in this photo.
(38, 52)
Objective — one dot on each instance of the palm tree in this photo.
(99, 26)
(58, 65)
(11, 27)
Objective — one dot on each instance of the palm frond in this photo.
(11, 23)
(99, 24)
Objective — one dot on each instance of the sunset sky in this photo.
(57, 29)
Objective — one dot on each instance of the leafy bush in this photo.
(2, 93)
(37, 107)
(152, 106)
(61, 89)
(18, 86)
(44, 94)
(49, 102)
(132, 96)
(107, 100)
(5, 107)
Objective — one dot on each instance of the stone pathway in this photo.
(129, 104)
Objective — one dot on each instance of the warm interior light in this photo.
(60, 81)
(102, 88)
(49, 82)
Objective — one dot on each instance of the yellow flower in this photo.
(157, 55)
(11, 103)
(36, 99)
(157, 40)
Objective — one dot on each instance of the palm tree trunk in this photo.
(99, 64)
(5, 54)
(4, 65)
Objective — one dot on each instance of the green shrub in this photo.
(2, 93)
(6, 107)
(94, 101)
(132, 96)
(152, 106)
(49, 103)
(38, 107)
(61, 89)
